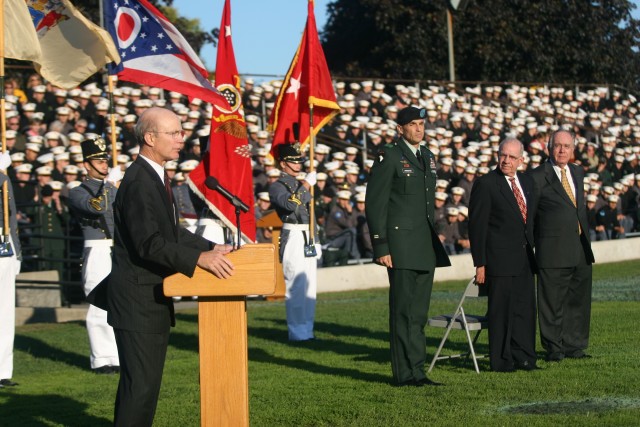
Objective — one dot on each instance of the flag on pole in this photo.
(307, 83)
(65, 47)
(154, 52)
(229, 155)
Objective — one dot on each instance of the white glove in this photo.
(5, 161)
(115, 175)
(318, 251)
(311, 178)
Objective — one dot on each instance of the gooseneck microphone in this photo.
(213, 184)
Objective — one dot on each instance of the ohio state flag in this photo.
(307, 83)
(229, 155)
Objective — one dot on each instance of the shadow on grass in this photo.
(46, 409)
(259, 355)
(187, 317)
(184, 341)
(43, 350)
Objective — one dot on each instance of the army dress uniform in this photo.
(400, 212)
(92, 203)
(291, 201)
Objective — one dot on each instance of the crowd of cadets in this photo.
(45, 126)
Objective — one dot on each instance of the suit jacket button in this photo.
(396, 228)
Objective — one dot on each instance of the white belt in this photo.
(98, 243)
(301, 227)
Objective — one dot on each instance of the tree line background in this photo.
(555, 41)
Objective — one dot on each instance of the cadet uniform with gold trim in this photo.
(291, 201)
(9, 269)
(92, 203)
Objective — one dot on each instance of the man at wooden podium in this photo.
(149, 246)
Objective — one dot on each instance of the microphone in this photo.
(213, 184)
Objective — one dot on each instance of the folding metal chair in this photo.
(462, 321)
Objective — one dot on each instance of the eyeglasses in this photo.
(173, 134)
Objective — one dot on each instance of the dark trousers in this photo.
(142, 358)
(512, 320)
(564, 307)
(409, 298)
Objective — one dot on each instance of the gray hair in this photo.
(552, 138)
(145, 124)
(511, 140)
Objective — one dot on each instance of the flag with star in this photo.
(65, 47)
(229, 155)
(154, 53)
(307, 83)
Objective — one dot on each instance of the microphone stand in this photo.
(238, 224)
(236, 203)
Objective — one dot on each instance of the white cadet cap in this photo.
(344, 194)
(44, 170)
(24, 168)
(458, 191)
(188, 165)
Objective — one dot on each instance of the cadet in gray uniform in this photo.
(291, 198)
(9, 269)
(92, 203)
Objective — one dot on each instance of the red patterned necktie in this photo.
(521, 204)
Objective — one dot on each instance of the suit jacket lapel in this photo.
(555, 183)
(171, 211)
(579, 190)
(507, 192)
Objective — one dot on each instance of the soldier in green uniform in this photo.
(400, 213)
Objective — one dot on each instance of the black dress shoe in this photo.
(107, 370)
(409, 383)
(427, 381)
(7, 383)
(578, 354)
(526, 366)
(555, 357)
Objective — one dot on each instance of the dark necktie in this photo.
(420, 156)
(518, 195)
(167, 187)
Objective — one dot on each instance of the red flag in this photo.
(307, 83)
(154, 52)
(229, 156)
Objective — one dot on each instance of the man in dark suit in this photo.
(563, 252)
(501, 234)
(149, 246)
(400, 213)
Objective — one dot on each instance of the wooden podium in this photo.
(272, 220)
(222, 330)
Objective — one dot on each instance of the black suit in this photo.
(564, 257)
(503, 243)
(149, 246)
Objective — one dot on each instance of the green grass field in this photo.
(342, 378)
